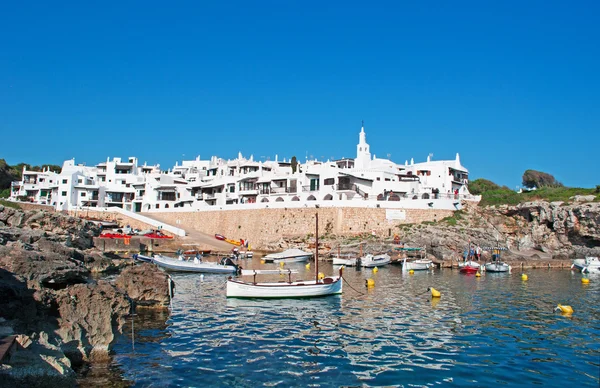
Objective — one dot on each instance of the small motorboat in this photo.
(196, 265)
(591, 264)
(288, 256)
(417, 265)
(370, 261)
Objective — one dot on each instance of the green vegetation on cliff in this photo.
(493, 194)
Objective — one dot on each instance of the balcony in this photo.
(248, 192)
(309, 189)
(345, 187)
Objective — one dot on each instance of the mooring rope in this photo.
(360, 292)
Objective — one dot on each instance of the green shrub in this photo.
(10, 204)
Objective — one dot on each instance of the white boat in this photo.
(592, 265)
(497, 266)
(195, 265)
(346, 259)
(416, 265)
(350, 262)
(288, 256)
(286, 289)
(370, 260)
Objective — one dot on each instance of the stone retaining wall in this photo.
(34, 206)
(263, 226)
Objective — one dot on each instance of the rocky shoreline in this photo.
(535, 235)
(58, 305)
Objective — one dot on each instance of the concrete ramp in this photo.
(194, 238)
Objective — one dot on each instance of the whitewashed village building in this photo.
(198, 185)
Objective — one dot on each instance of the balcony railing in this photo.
(310, 188)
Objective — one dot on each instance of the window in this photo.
(82, 194)
(65, 181)
(329, 181)
(80, 181)
(64, 194)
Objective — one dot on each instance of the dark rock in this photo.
(89, 317)
(146, 285)
(42, 268)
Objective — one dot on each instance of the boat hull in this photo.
(142, 258)
(289, 259)
(590, 264)
(497, 267)
(418, 265)
(375, 261)
(346, 262)
(174, 265)
(301, 289)
(288, 256)
(469, 269)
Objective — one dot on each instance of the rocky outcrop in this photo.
(533, 230)
(89, 316)
(146, 286)
(51, 298)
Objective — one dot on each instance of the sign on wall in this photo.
(395, 214)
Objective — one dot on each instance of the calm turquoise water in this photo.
(487, 331)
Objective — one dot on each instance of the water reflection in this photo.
(482, 331)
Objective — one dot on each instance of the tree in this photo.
(480, 186)
(294, 164)
(538, 179)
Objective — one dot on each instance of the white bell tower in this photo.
(363, 155)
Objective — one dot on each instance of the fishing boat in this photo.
(288, 256)
(286, 289)
(370, 260)
(496, 265)
(196, 265)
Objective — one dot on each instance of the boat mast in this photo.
(317, 248)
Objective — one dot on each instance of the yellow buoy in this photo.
(262, 261)
(412, 271)
(564, 309)
(585, 280)
(524, 277)
(375, 270)
(307, 266)
(281, 263)
(321, 275)
(370, 283)
(435, 293)
(434, 301)
(478, 275)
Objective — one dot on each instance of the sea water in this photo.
(483, 331)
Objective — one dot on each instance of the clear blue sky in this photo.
(510, 85)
